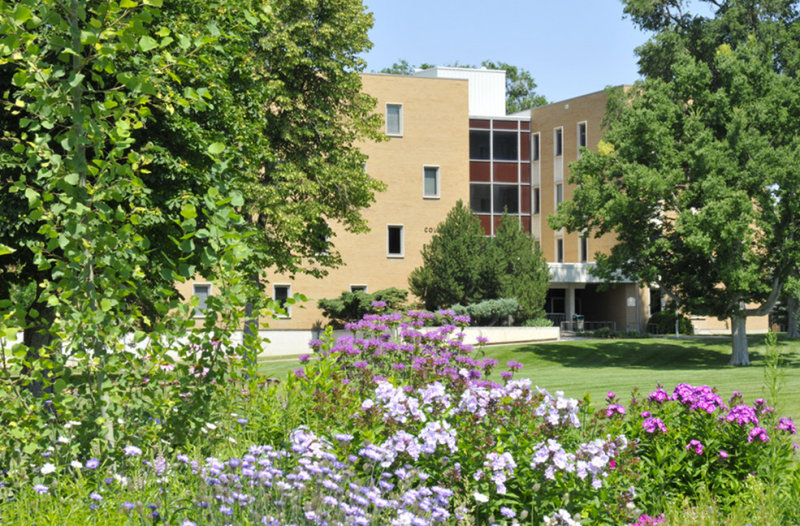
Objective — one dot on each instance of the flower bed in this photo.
(400, 422)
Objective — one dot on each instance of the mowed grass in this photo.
(595, 367)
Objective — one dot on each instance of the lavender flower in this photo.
(92, 463)
(132, 451)
(41, 489)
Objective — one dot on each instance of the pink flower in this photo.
(695, 445)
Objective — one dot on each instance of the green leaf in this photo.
(128, 4)
(146, 43)
(216, 148)
(189, 211)
(72, 179)
(154, 3)
(21, 14)
(105, 305)
(5, 249)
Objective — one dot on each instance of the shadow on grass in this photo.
(656, 353)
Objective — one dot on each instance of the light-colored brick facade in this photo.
(513, 162)
(435, 123)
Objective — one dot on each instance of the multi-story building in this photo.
(450, 139)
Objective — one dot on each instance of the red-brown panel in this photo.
(480, 171)
(525, 174)
(486, 221)
(525, 125)
(525, 147)
(505, 172)
(479, 123)
(525, 197)
(496, 220)
(526, 224)
(506, 125)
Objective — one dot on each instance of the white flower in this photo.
(211, 426)
(63, 440)
(71, 423)
(480, 497)
(75, 464)
(48, 468)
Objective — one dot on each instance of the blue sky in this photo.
(571, 47)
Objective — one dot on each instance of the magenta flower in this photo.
(613, 409)
(696, 446)
(758, 433)
(786, 424)
(723, 454)
(514, 366)
(650, 425)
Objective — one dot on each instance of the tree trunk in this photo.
(793, 311)
(739, 337)
(36, 336)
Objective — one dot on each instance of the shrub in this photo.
(663, 322)
(353, 305)
(489, 312)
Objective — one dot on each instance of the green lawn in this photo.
(598, 366)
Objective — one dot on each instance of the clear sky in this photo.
(571, 47)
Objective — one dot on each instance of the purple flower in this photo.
(723, 454)
(758, 433)
(650, 425)
(659, 395)
(379, 304)
(92, 463)
(242, 421)
(128, 506)
(786, 424)
(41, 489)
(132, 451)
(507, 512)
(613, 409)
(482, 340)
(742, 414)
(304, 357)
(507, 375)
(611, 395)
(300, 373)
(95, 496)
(514, 366)
(695, 445)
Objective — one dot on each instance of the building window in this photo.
(584, 248)
(537, 201)
(560, 250)
(394, 119)
(430, 182)
(582, 135)
(358, 288)
(394, 241)
(558, 142)
(535, 147)
(480, 198)
(280, 293)
(559, 194)
(505, 146)
(479, 145)
(202, 292)
(506, 199)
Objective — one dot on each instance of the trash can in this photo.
(578, 319)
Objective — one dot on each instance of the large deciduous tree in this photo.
(698, 174)
(131, 131)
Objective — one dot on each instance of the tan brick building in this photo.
(449, 139)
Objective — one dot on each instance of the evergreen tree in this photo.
(454, 263)
(520, 268)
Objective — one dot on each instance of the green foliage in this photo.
(697, 176)
(489, 312)
(462, 266)
(145, 145)
(520, 87)
(455, 269)
(352, 306)
(663, 322)
(520, 266)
